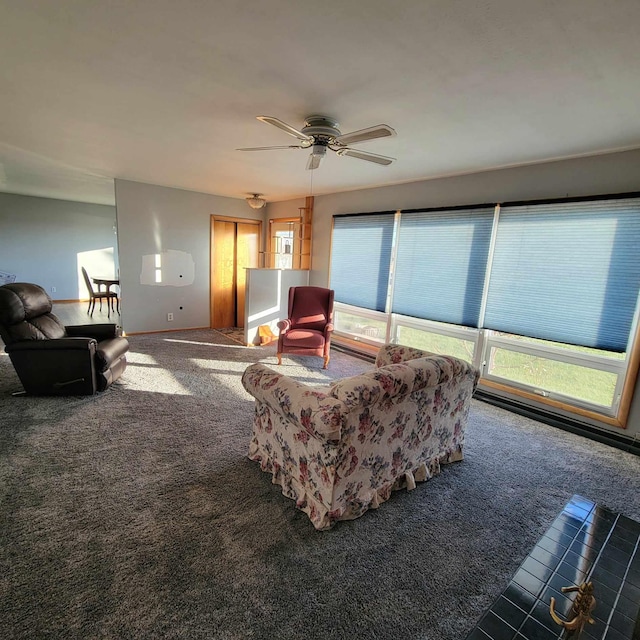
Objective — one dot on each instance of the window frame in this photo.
(459, 332)
(360, 312)
(557, 354)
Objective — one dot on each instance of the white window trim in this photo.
(380, 316)
(592, 361)
(451, 330)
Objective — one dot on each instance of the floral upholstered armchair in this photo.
(341, 450)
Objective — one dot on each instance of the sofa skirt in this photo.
(349, 507)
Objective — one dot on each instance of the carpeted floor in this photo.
(236, 334)
(135, 513)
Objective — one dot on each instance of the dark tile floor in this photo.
(585, 543)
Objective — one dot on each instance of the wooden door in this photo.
(235, 246)
(223, 277)
(247, 244)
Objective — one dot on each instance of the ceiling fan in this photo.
(321, 133)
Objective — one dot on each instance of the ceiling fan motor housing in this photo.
(321, 127)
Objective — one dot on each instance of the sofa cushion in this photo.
(304, 339)
(379, 385)
(396, 353)
(392, 383)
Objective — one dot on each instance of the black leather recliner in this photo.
(51, 359)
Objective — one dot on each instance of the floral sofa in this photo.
(341, 450)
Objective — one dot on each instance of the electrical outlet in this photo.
(169, 317)
(53, 289)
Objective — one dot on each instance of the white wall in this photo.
(285, 208)
(157, 220)
(46, 241)
(267, 299)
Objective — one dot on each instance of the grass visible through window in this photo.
(583, 383)
(436, 343)
(538, 373)
(360, 326)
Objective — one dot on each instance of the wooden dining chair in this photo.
(94, 295)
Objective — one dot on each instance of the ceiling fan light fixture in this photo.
(255, 201)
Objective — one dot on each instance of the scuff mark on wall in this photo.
(170, 268)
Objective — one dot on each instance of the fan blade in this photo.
(362, 135)
(313, 162)
(365, 155)
(289, 146)
(285, 127)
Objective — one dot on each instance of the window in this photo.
(441, 263)
(586, 380)
(542, 297)
(360, 324)
(283, 243)
(567, 272)
(460, 342)
(361, 258)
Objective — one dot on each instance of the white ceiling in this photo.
(164, 91)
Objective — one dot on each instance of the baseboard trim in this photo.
(566, 424)
(144, 333)
(355, 352)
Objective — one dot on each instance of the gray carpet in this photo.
(135, 514)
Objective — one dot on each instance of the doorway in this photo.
(235, 246)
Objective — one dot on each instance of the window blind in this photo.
(567, 272)
(441, 263)
(360, 259)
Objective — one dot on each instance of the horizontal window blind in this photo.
(567, 272)
(441, 263)
(360, 259)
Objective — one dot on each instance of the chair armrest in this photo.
(109, 351)
(97, 331)
(328, 328)
(284, 325)
(59, 344)
(309, 408)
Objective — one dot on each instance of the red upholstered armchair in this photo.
(307, 330)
